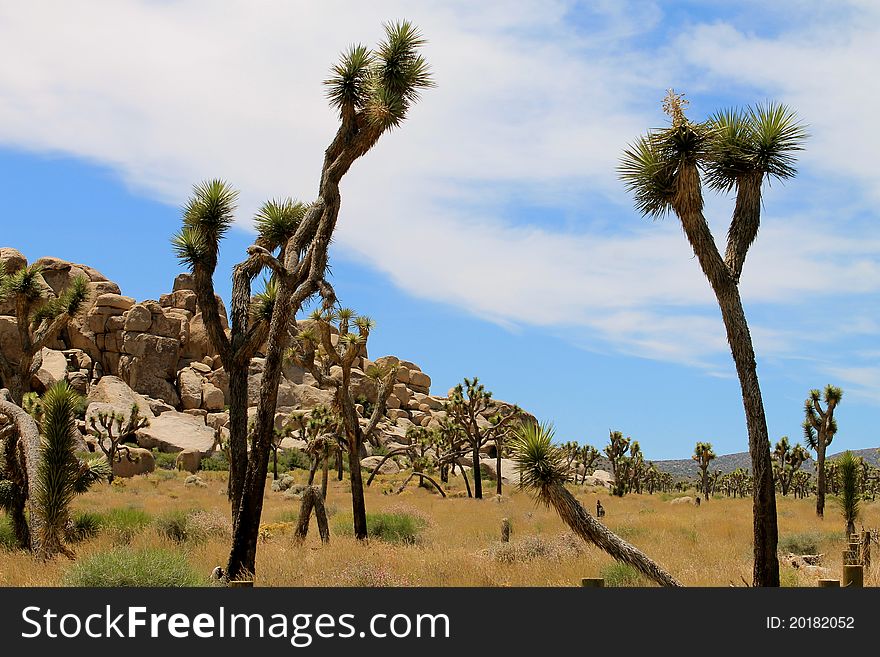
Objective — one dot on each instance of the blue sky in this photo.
(489, 235)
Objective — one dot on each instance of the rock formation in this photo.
(119, 351)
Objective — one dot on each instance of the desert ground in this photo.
(457, 541)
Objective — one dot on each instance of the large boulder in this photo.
(509, 471)
(189, 383)
(149, 364)
(116, 394)
(687, 499)
(143, 463)
(53, 369)
(10, 343)
(388, 468)
(189, 460)
(175, 432)
(12, 259)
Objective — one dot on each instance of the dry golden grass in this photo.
(702, 546)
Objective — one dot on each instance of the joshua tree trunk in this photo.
(498, 469)
(312, 499)
(588, 528)
(358, 504)
(25, 463)
(325, 476)
(820, 480)
(478, 475)
(689, 209)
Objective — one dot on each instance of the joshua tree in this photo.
(40, 317)
(304, 352)
(373, 93)
(617, 452)
(819, 429)
(850, 498)
(45, 472)
(544, 472)
(787, 460)
(112, 430)
(736, 150)
(60, 475)
(466, 407)
(704, 455)
(588, 455)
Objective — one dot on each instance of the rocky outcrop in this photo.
(120, 351)
(176, 432)
(143, 463)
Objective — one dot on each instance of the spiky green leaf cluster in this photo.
(849, 501)
(70, 302)
(539, 461)
(277, 220)
(27, 282)
(734, 142)
(60, 474)
(207, 216)
(383, 84)
(263, 303)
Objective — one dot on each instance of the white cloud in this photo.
(527, 107)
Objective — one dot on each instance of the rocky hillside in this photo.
(156, 353)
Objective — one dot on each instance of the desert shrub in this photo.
(622, 574)
(172, 524)
(390, 527)
(124, 522)
(564, 546)
(165, 460)
(215, 463)
(788, 577)
(124, 566)
(7, 536)
(193, 526)
(83, 525)
(802, 543)
(366, 575)
(292, 459)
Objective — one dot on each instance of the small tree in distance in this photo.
(703, 455)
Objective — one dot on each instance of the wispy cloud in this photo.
(535, 102)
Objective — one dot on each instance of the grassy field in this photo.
(458, 543)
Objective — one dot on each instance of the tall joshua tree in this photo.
(373, 92)
(40, 317)
(544, 472)
(703, 455)
(736, 150)
(819, 429)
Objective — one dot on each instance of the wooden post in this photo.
(505, 530)
(593, 582)
(853, 576)
(829, 583)
(866, 549)
(241, 583)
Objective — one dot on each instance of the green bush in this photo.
(124, 566)
(193, 526)
(389, 527)
(124, 522)
(290, 459)
(83, 525)
(165, 460)
(803, 543)
(172, 524)
(622, 574)
(7, 536)
(216, 463)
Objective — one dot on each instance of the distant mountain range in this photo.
(687, 468)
